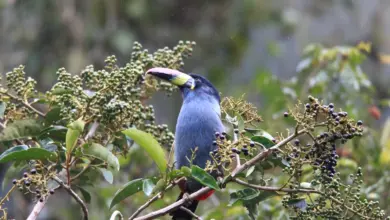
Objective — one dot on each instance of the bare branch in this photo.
(191, 213)
(37, 209)
(115, 214)
(174, 206)
(265, 153)
(25, 103)
(275, 189)
(74, 195)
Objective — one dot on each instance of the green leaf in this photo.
(127, 190)
(86, 194)
(263, 138)
(3, 105)
(250, 171)
(203, 177)
(160, 185)
(150, 145)
(147, 187)
(55, 132)
(102, 153)
(20, 129)
(53, 116)
(22, 152)
(107, 175)
(73, 133)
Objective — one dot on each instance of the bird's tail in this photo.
(179, 214)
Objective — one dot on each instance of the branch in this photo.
(190, 212)
(174, 206)
(37, 209)
(115, 214)
(154, 198)
(25, 104)
(275, 189)
(74, 195)
(265, 153)
(92, 130)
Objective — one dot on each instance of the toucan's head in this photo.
(191, 85)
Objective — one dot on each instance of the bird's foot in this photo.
(187, 199)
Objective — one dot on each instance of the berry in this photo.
(39, 196)
(232, 155)
(214, 143)
(285, 114)
(14, 181)
(38, 191)
(222, 137)
(307, 105)
(217, 134)
(331, 105)
(41, 200)
(33, 171)
(27, 183)
(25, 174)
(252, 144)
(234, 150)
(51, 192)
(296, 142)
(245, 150)
(360, 123)
(236, 131)
(238, 152)
(223, 133)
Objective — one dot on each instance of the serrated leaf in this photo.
(150, 145)
(203, 177)
(147, 187)
(20, 129)
(86, 194)
(102, 153)
(22, 152)
(3, 105)
(127, 190)
(250, 171)
(107, 175)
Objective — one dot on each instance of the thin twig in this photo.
(81, 172)
(265, 153)
(190, 212)
(275, 189)
(151, 200)
(74, 195)
(92, 130)
(174, 205)
(25, 104)
(115, 214)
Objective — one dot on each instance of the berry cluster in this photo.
(35, 183)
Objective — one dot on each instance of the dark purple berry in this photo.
(334, 115)
(285, 114)
(14, 181)
(27, 183)
(25, 174)
(360, 123)
(296, 142)
(222, 137)
(38, 196)
(234, 150)
(33, 171)
(232, 155)
(41, 200)
(38, 191)
(236, 131)
(214, 143)
(223, 133)
(307, 105)
(252, 143)
(217, 134)
(51, 192)
(331, 105)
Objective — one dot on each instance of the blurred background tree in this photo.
(252, 46)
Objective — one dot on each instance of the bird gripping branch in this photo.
(198, 121)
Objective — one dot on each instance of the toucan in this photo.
(198, 122)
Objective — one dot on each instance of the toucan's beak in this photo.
(174, 76)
